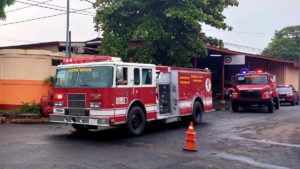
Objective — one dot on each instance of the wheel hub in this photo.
(136, 121)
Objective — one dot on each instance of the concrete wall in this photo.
(26, 67)
(292, 75)
(278, 70)
(22, 76)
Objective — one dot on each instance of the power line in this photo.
(44, 17)
(5, 38)
(50, 7)
(28, 6)
(240, 32)
(62, 7)
(89, 1)
(257, 50)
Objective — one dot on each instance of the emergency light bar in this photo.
(91, 59)
(245, 71)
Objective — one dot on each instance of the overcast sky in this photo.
(254, 23)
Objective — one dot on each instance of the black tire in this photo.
(248, 107)
(292, 103)
(197, 113)
(277, 103)
(297, 103)
(80, 128)
(136, 121)
(234, 106)
(270, 107)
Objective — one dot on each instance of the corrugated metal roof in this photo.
(231, 52)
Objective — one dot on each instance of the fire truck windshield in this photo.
(252, 79)
(84, 77)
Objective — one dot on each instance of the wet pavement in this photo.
(225, 140)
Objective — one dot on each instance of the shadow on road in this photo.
(120, 133)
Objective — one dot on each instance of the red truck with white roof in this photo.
(98, 91)
(253, 88)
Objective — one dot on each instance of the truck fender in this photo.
(136, 102)
(197, 98)
(275, 94)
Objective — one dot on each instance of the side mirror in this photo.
(273, 78)
(119, 74)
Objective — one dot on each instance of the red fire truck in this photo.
(100, 91)
(254, 88)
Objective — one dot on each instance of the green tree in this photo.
(170, 29)
(3, 4)
(285, 44)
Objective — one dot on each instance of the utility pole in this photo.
(67, 32)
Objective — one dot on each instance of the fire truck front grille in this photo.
(77, 112)
(76, 105)
(250, 94)
(282, 95)
(76, 101)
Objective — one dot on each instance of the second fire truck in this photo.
(254, 88)
(100, 91)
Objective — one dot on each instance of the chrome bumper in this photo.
(84, 120)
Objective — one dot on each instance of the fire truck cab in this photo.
(104, 91)
(254, 88)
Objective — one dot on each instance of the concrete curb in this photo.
(23, 118)
(30, 121)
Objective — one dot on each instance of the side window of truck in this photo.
(137, 80)
(147, 76)
(124, 81)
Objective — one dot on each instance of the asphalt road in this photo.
(225, 140)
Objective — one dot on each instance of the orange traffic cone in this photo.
(190, 144)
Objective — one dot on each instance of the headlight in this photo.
(95, 104)
(235, 95)
(267, 95)
(58, 104)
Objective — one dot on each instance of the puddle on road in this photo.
(274, 143)
(250, 161)
(236, 137)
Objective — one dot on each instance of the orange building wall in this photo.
(14, 92)
(22, 77)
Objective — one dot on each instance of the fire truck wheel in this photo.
(270, 107)
(292, 103)
(80, 128)
(197, 113)
(136, 121)
(277, 103)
